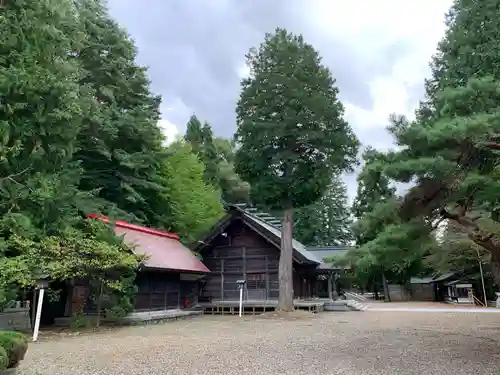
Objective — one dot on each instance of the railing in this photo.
(477, 301)
(356, 296)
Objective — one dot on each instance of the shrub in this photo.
(4, 359)
(15, 345)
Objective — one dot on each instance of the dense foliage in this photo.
(79, 134)
(119, 144)
(13, 347)
(291, 134)
(197, 204)
(449, 152)
(217, 154)
(326, 222)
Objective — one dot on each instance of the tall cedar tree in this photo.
(291, 133)
(41, 112)
(120, 145)
(41, 108)
(449, 149)
(202, 142)
(194, 135)
(210, 156)
(327, 222)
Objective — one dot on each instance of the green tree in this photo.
(194, 135)
(373, 186)
(374, 199)
(210, 156)
(225, 149)
(203, 144)
(41, 114)
(120, 142)
(327, 221)
(291, 134)
(233, 188)
(449, 151)
(89, 251)
(195, 206)
(455, 252)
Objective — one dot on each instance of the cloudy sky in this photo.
(377, 50)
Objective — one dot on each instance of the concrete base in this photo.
(154, 317)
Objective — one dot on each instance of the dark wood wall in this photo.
(162, 291)
(242, 254)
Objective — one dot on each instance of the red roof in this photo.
(163, 250)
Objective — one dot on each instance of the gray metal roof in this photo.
(297, 246)
(432, 279)
(325, 252)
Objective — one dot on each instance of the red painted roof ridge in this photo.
(123, 224)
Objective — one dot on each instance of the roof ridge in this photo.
(139, 228)
(270, 222)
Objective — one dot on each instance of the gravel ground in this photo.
(330, 343)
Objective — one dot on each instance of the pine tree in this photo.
(291, 134)
(448, 150)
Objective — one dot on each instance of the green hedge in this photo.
(13, 347)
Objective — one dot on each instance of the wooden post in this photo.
(222, 279)
(165, 297)
(244, 272)
(267, 277)
(330, 285)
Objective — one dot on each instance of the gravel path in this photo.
(329, 343)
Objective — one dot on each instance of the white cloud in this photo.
(371, 27)
(243, 71)
(170, 130)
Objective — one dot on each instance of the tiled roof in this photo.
(297, 246)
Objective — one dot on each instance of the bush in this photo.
(15, 345)
(4, 359)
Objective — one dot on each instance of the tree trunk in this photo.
(375, 288)
(495, 266)
(285, 301)
(99, 304)
(486, 239)
(387, 296)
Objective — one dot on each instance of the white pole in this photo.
(482, 277)
(482, 281)
(241, 299)
(38, 314)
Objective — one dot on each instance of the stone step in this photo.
(345, 305)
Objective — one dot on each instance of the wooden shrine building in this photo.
(245, 245)
(168, 278)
